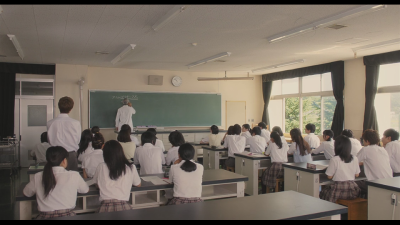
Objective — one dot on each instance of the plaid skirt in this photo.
(180, 201)
(113, 206)
(346, 190)
(271, 174)
(55, 214)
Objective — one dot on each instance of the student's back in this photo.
(92, 161)
(214, 140)
(150, 158)
(40, 151)
(297, 157)
(355, 146)
(235, 144)
(313, 140)
(376, 162)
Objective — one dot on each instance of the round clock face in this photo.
(176, 81)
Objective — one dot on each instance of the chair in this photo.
(357, 208)
(231, 169)
(278, 181)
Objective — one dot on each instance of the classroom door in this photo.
(235, 113)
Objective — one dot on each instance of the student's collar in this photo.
(58, 169)
(311, 134)
(63, 115)
(147, 144)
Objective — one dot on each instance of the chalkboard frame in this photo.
(156, 92)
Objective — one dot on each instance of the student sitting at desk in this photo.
(115, 178)
(85, 145)
(158, 142)
(187, 177)
(355, 144)
(264, 132)
(278, 152)
(213, 139)
(229, 132)
(39, 151)
(246, 131)
(300, 149)
(392, 145)
(235, 144)
(56, 188)
(343, 169)
(279, 130)
(311, 138)
(327, 146)
(176, 139)
(124, 138)
(256, 142)
(150, 157)
(92, 160)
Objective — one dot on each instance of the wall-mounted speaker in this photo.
(155, 80)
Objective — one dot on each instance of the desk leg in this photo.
(25, 210)
(206, 159)
(133, 199)
(215, 162)
(84, 205)
(240, 189)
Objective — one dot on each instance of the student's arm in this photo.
(357, 166)
(29, 189)
(361, 156)
(136, 179)
(171, 175)
(136, 157)
(117, 120)
(162, 157)
(84, 174)
(330, 171)
(268, 152)
(225, 144)
(82, 186)
(308, 148)
(318, 150)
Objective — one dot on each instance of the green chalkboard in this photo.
(156, 109)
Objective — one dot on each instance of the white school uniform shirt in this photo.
(355, 146)
(393, 150)
(136, 140)
(172, 155)
(150, 158)
(40, 151)
(213, 140)
(87, 151)
(312, 140)
(246, 134)
(376, 162)
(235, 144)
(119, 189)
(342, 171)
(297, 158)
(91, 161)
(186, 184)
(129, 149)
(266, 135)
(277, 154)
(63, 196)
(124, 116)
(64, 131)
(328, 147)
(257, 143)
(160, 144)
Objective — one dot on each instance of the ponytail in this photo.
(98, 141)
(186, 152)
(54, 156)
(86, 138)
(277, 138)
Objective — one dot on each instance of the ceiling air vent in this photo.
(336, 26)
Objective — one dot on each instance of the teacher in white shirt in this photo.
(124, 115)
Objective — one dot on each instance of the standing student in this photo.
(311, 138)
(355, 144)
(158, 143)
(124, 115)
(300, 149)
(176, 139)
(246, 130)
(278, 152)
(392, 145)
(85, 145)
(374, 158)
(150, 157)
(65, 131)
(213, 139)
(95, 129)
(256, 142)
(56, 188)
(115, 178)
(92, 160)
(124, 138)
(187, 177)
(328, 146)
(235, 144)
(40, 149)
(264, 132)
(343, 169)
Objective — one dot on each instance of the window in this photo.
(298, 101)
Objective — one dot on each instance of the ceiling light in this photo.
(224, 78)
(376, 45)
(325, 22)
(168, 16)
(209, 59)
(17, 45)
(279, 65)
(123, 53)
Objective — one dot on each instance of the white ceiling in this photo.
(71, 34)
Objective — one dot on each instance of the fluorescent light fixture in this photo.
(168, 16)
(279, 65)
(123, 53)
(377, 45)
(325, 22)
(209, 59)
(16, 45)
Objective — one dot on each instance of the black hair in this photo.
(278, 129)
(392, 133)
(262, 125)
(247, 127)
(372, 136)
(277, 138)
(86, 138)
(347, 133)
(310, 127)
(256, 131)
(95, 129)
(98, 141)
(214, 129)
(186, 152)
(148, 137)
(54, 156)
(295, 134)
(328, 133)
(343, 148)
(230, 130)
(43, 137)
(176, 138)
(115, 159)
(124, 134)
(153, 131)
(237, 129)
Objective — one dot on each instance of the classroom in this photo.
(216, 82)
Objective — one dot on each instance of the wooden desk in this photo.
(379, 198)
(289, 205)
(216, 184)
